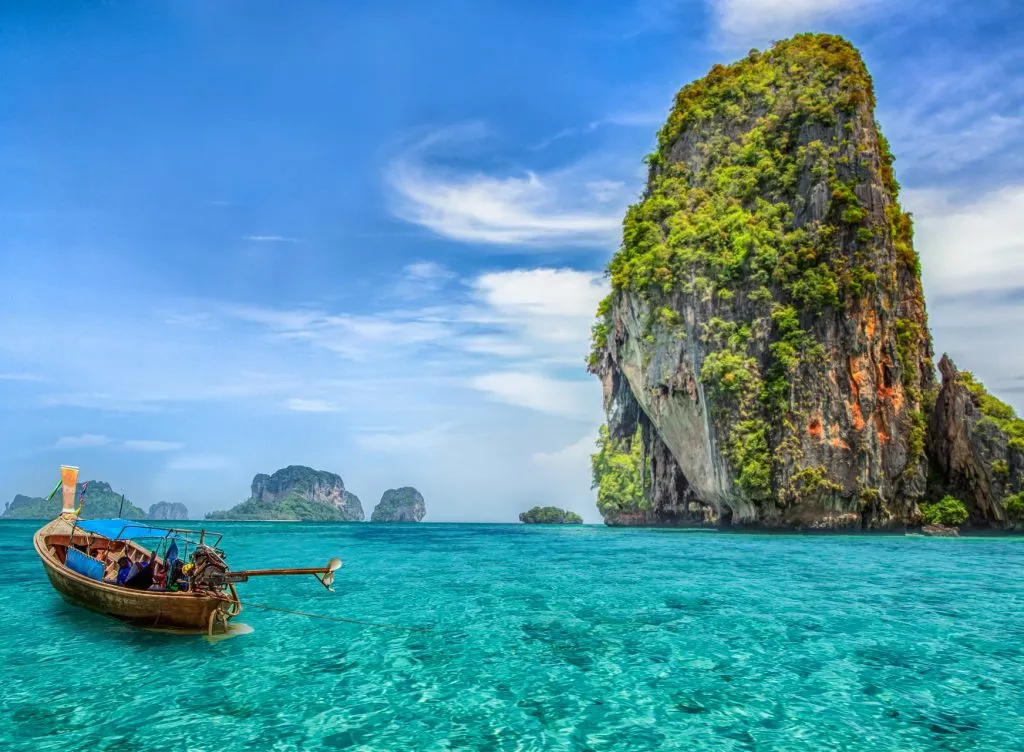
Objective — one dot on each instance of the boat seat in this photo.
(83, 564)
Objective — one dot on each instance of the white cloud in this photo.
(149, 445)
(348, 335)
(764, 20)
(270, 239)
(422, 278)
(540, 314)
(198, 462)
(576, 399)
(528, 208)
(426, 271)
(973, 246)
(78, 442)
(300, 405)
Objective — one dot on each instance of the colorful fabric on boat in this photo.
(172, 554)
(125, 572)
(142, 578)
(123, 529)
(76, 561)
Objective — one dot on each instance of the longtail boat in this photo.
(81, 558)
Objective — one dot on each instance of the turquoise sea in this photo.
(563, 638)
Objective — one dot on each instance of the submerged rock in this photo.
(166, 510)
(940, 531)
(404, 504)
(550, 516)
(296, 493)
(766, 341)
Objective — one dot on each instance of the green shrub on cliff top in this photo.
(949, 511)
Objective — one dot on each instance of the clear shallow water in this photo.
(575, 638)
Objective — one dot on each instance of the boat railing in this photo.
(180, 533)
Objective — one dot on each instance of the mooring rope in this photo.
(336, 618)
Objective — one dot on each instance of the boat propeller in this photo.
(327, 579)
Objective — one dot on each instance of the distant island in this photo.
(101, 501)
(296, 493)
(550, 516)
(400, 505)
(166, 510)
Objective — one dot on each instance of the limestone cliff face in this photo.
(404, 504)
(976, 445)
(297, 493)
(766, 338)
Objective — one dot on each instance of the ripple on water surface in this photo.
(580, 638)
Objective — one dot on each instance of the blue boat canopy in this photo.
(124, 529)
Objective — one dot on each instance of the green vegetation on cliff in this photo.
(618, 469)
(1014, 506)
(293, 507)
(550, 516)
(947, 511)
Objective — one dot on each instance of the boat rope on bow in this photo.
(337, 618)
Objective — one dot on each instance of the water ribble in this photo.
(558, 638)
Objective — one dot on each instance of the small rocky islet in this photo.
(549, 516)
(404, 504)
(296, 492)
(764, 352)
(301, 493)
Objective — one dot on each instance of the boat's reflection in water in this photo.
(235, 629)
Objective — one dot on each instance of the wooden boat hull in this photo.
(180, 610)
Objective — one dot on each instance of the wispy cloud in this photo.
(540, 315)
(301, 405)
(151, 445)
(759, 21)
(421, 279)
(270, 239)
(624, 119)
(566, 398)
(83, 441)
(348, 335)
(972, 260)
(30, 377)
(524, 209)
(970, 246)
(957, 113)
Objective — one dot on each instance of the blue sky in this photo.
(240, 235)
